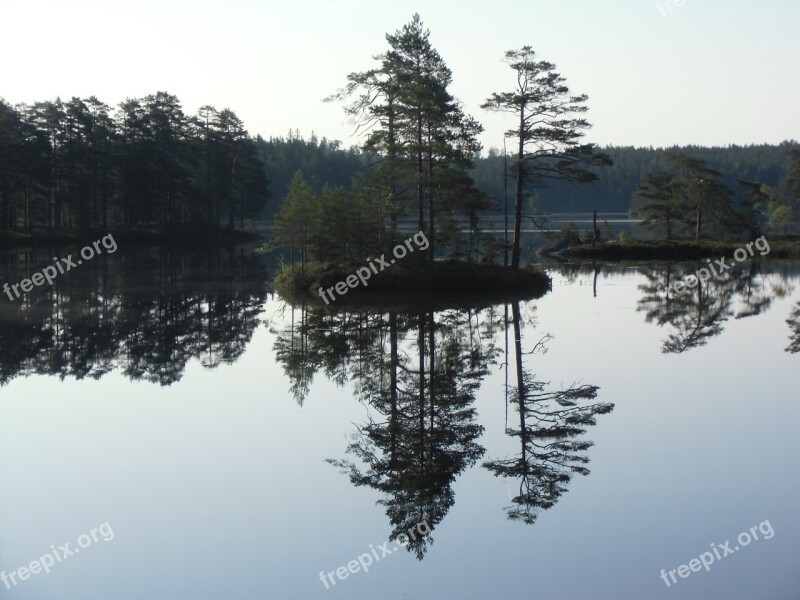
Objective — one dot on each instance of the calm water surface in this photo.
(566, 447)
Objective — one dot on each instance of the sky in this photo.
(657, 72)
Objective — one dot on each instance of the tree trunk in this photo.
(523, 430)
(392, 154)
(505, 205)
(669, 225)
(431, 230)
(395, 363)
(421, 344)
(432, 363)
(699, 214)
(420, 189)
(518, 198)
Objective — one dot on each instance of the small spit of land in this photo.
(779, 247)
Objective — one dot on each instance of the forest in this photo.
(80, 164)
(147, 164)
(614, 189)
(327, 162)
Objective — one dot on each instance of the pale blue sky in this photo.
(707, 72)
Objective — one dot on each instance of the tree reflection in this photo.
(700, 313)
(794, 325)
(418, 372)
(146, 313)
(422, 430)
(551, 423)
(752, 292)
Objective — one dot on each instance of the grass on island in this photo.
(405, 283)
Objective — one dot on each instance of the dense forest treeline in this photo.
(614, 189)
(322, 162)
(327, 162)
(81, 164)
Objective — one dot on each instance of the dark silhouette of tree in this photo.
(794, 325)
(614, 190)
(753, 210)
(791, 183)
(296, 353)
(322, 162)
(700, 313)
(417, 127)
(702, 200)
(419, 379)
(145, 313)
(658, 206)
(79, 165)
(548, 132)
(751, 291)
(695, 316)
(551, 423)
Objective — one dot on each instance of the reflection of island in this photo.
(419, 378)
(418, 373)
(551, 426)
(146, 313)
(794, 325)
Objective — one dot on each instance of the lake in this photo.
(169, 428)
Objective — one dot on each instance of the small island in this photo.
(421, 147)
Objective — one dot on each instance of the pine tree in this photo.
(658, 204)
(415, 125)
(549, 131)
(294, 219)
(703, 200)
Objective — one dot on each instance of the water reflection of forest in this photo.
(149, 312)
(146, 313)
(700, 314)
(418, 370)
